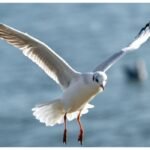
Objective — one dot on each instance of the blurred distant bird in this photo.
(138, 72)
(78, 88)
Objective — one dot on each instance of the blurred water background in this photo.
(84, 35)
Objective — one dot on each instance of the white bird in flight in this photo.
(78, 88)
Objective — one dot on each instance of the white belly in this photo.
(76, 96)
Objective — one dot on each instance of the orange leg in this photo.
(65, 129)
(80, 137)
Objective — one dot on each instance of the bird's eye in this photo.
(96, 80)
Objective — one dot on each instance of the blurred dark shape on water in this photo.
(137, 72)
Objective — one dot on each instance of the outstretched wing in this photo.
(140, 39)
(53, 65)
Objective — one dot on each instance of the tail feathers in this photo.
(53, 113)
(50, 113)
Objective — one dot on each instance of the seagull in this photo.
(78, 88)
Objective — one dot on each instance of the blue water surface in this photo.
(84, 35)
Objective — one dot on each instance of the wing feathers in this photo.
(106, 64)
(41, 54)
(141, 38)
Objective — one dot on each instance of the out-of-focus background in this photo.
(84, 35)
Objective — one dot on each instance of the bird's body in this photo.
(79, 93)
(74, 99)
(78, 88)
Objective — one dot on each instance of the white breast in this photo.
(77, 95)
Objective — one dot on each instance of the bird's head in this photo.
(100, 78)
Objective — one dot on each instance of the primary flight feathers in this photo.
(140, 39)
(39, 53)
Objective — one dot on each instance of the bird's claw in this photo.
(80, 137)
(65, 137)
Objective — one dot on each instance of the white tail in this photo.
(53, 112)
(50, 113)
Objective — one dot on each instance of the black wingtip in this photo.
(143, 29)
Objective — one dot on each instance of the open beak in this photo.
(102, 86)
